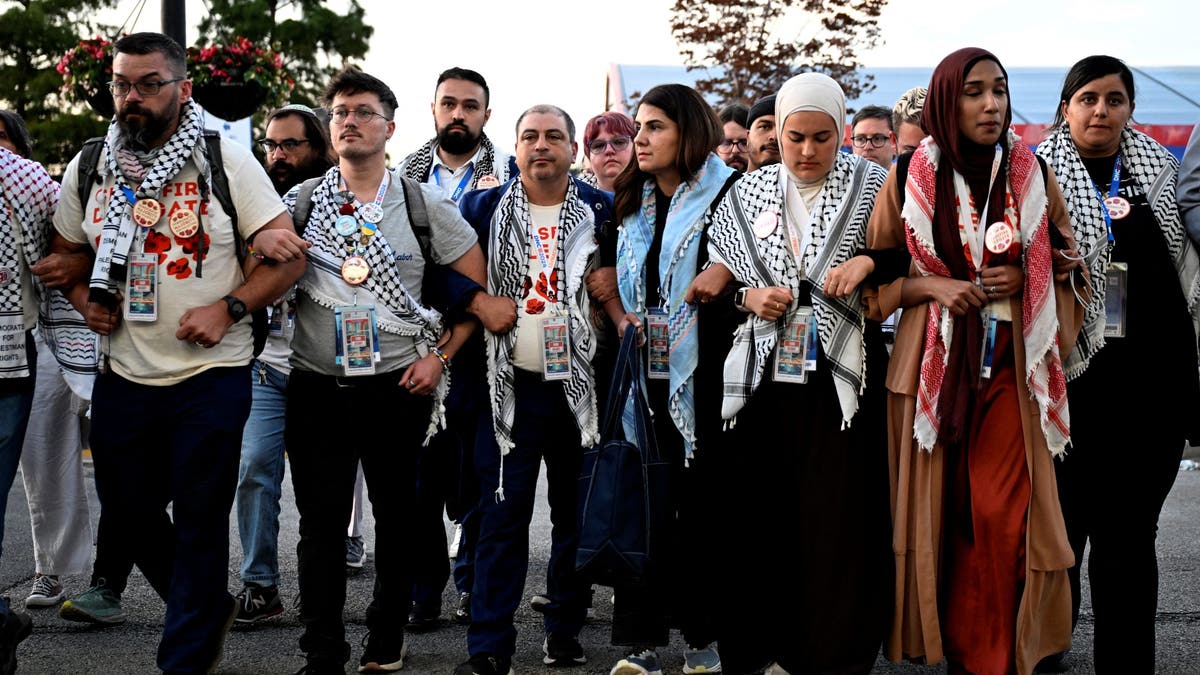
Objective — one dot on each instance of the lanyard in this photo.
(981, 227)
(369, 228)
(1113, 189)
(551, 291)
(462, 185)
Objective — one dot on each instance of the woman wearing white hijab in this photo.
(805, 429)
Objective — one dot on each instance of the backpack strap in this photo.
(304, 203)
(87, 171)
(418, 215)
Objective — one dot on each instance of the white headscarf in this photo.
(810, 92)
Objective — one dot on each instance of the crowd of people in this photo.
(907, 360)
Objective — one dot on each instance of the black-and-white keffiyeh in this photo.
(508, 264)
(396, 311)
(839, 228)
(417, 165)
(119, 230)
(28, 197)
(1154, 171)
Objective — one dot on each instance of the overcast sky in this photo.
(544, 51)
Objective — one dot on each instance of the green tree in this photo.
(751, 51)
(315, 41)
(35, 34)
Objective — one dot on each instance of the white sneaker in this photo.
(704, 660)
(47, 591)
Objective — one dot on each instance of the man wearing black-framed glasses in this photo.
(296, 146)
(732, 150)
(871, 135)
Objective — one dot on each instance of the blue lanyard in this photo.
(462, 185)
(1113, 188)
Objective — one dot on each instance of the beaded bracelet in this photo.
(254, 253)
(443, 357)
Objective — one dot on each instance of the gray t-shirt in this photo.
(313, 346)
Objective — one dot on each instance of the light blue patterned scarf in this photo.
(686, 220)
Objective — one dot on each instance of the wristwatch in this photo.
(237, 308)
(739, 298)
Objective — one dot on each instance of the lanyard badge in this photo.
(796, 351)
(357, 339)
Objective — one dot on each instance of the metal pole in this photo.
(173, 21)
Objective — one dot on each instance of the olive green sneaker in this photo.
(99, 605)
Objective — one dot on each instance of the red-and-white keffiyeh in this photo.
(1043, 366)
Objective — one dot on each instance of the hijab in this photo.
(810, 92)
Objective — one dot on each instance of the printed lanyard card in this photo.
(277, 317)
(989, 346)
(1115, 281)
(791, 352)
(141, 287)
(357, 339)
(658, 349)
(556, 349)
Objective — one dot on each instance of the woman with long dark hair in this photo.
(664, 200)
(976, 390)
(1120, 190)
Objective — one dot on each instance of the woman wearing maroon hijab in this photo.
(977, 403)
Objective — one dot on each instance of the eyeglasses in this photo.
(618, 144)
(727, 145)
(362, 115)
(876, 141)
(289, 145)
(121, 88)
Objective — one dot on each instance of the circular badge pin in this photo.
(147, 212)
(355, 270)
(184, 223)
(372, 213)
(1118, 207)
(343, 196)
(346, 225)
(6, 276)
(765, 224)
(486, 181)
(368, 230)
(999, 237)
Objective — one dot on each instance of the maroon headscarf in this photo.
(974, 163)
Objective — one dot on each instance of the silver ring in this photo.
(993, 291)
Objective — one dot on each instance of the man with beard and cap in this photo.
(171, 302)
(461, 158)
(297, 148)
(762, 141)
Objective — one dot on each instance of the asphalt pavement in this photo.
(58, 646)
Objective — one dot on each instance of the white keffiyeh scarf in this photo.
(839, 226)
(119, 230)
(508, 264)
(1153, 170)
(398, 312)
(418, 165)
(28, 197)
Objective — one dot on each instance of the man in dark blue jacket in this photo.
(542, 233)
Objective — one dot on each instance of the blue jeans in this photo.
(15, 405)
(260, 477)
(175, 444)
(544, 428)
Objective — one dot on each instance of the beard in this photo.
(284, 175)
(457, 139)
(147, 128)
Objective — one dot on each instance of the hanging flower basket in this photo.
(236, 80)
(86, 70)
(230, 100)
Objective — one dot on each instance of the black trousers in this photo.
(333, 423)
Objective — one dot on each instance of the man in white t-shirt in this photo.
(544, 231)
(171, 301)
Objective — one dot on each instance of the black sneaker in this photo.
(16, 627)
(483, 664)
(423, 618)
(462, 615)
(563, 651)
(381, 655)
(256, 603)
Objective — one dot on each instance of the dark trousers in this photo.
(331, 424)
(1112, 485)
(177, 444)
(544, 428)
(674, 595)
